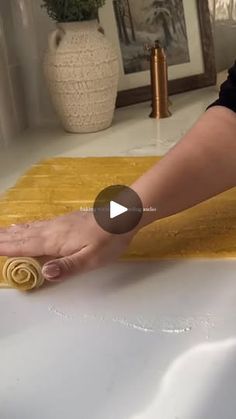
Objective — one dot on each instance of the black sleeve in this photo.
(227, 96)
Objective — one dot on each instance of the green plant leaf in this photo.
(72, 10)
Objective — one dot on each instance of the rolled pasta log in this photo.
(22, 273)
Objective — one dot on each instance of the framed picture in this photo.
(224, 28)
(184, 29)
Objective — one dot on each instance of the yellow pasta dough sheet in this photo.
(61, 185)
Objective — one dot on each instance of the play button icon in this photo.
(118, 209)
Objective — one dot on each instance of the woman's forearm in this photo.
(199, 167)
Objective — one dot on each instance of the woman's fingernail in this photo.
(51, 271)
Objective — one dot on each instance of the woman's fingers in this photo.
(21, 231)
(59, 269)
(21, 240)
(26, 246)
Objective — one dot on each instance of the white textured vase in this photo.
(82, 71)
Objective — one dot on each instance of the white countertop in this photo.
(133, 341)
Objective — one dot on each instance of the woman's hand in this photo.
(201, 166)
(73, 243)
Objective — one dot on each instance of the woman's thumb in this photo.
(58, 269)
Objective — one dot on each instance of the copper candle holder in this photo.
(159, 82)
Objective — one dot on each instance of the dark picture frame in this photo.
(180, 85)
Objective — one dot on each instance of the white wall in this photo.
(12, 104)
(32, 26)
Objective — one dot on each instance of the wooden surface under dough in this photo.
(62, 185)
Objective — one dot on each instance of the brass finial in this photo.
(159, 81)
